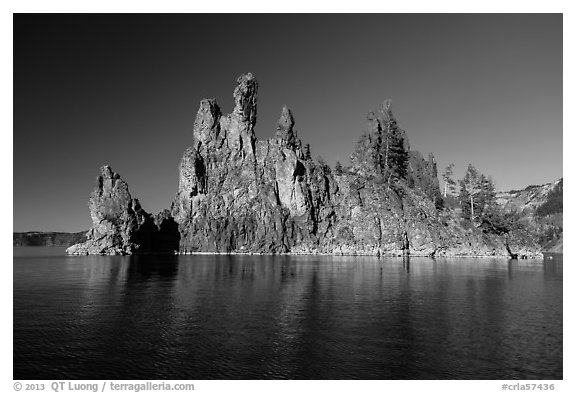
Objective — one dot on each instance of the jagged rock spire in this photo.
(110, 183)
(106, 171)
(286, 121)
(117, 219)
(207, 123)
(245, 97)
(238, 127)
(285, 130)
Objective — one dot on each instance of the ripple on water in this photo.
(221, 317)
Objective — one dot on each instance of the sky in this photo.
(123, 90)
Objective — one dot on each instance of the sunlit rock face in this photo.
(231, 197)
(239, 194)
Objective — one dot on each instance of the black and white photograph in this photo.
(287, 196)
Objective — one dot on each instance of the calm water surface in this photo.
(259, 317)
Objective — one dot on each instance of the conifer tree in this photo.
(449, 183)
(478, 196)
(394, 153)
(486, 196)
(464, 199)
(338, 168)
(470, 188)
(382, 152)
(307, 154)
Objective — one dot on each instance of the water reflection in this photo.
(190, 317)
(552, 268)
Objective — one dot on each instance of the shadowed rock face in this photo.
(240, 194)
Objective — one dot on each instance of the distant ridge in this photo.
(541, 210)
(47, 239)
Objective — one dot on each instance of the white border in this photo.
(490, 6)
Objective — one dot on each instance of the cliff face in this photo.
(237, 193)
(240, 194)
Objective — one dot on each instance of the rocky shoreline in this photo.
(240, 195)
(337, 254)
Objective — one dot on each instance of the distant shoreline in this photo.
(47, 239)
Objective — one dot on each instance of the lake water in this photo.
(303, 317)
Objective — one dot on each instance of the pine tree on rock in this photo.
(470, 188)
(307, 154)
(338, 168)
(393, 156)
(383, 152)
(487, 195)
(449, 183)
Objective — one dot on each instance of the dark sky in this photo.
(123, 90)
